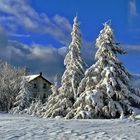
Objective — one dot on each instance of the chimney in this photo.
(40, 73)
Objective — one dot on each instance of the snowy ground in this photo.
(14, 127)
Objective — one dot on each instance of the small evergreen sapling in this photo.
(23, 99)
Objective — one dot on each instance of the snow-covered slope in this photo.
(15, 127)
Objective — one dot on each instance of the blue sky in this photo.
(36, 33)
(93, 13)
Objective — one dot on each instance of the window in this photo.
(44, 85)
(35, 86)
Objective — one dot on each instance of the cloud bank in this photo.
(18, 14)
(38, 58)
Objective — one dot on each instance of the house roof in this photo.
(30, 78)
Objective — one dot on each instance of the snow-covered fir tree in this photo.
(104, 92)
(62, 99)
(23, 99)
(74, 63)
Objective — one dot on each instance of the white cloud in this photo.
(44, 53)
(18, 35)
(132, 8)
(36, 57)
(133, 18)
(20, 13)
(62, 51)
(47, 59)
(62, 22)
(3, 38)
(132, 48)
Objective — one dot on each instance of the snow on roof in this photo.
(31, 77)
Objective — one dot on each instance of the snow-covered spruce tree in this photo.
(62, 99)
(23, 99)
(104, 91)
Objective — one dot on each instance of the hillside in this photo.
(26, 127)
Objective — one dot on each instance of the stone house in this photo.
(39, 86)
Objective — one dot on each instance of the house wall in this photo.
(38, 88)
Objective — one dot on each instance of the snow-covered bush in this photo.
(62, 99)
(10, 78)
(35, 108)
(105, 91)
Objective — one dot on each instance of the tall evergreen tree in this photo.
(62, 99)
(74, 63)
(105, 91)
